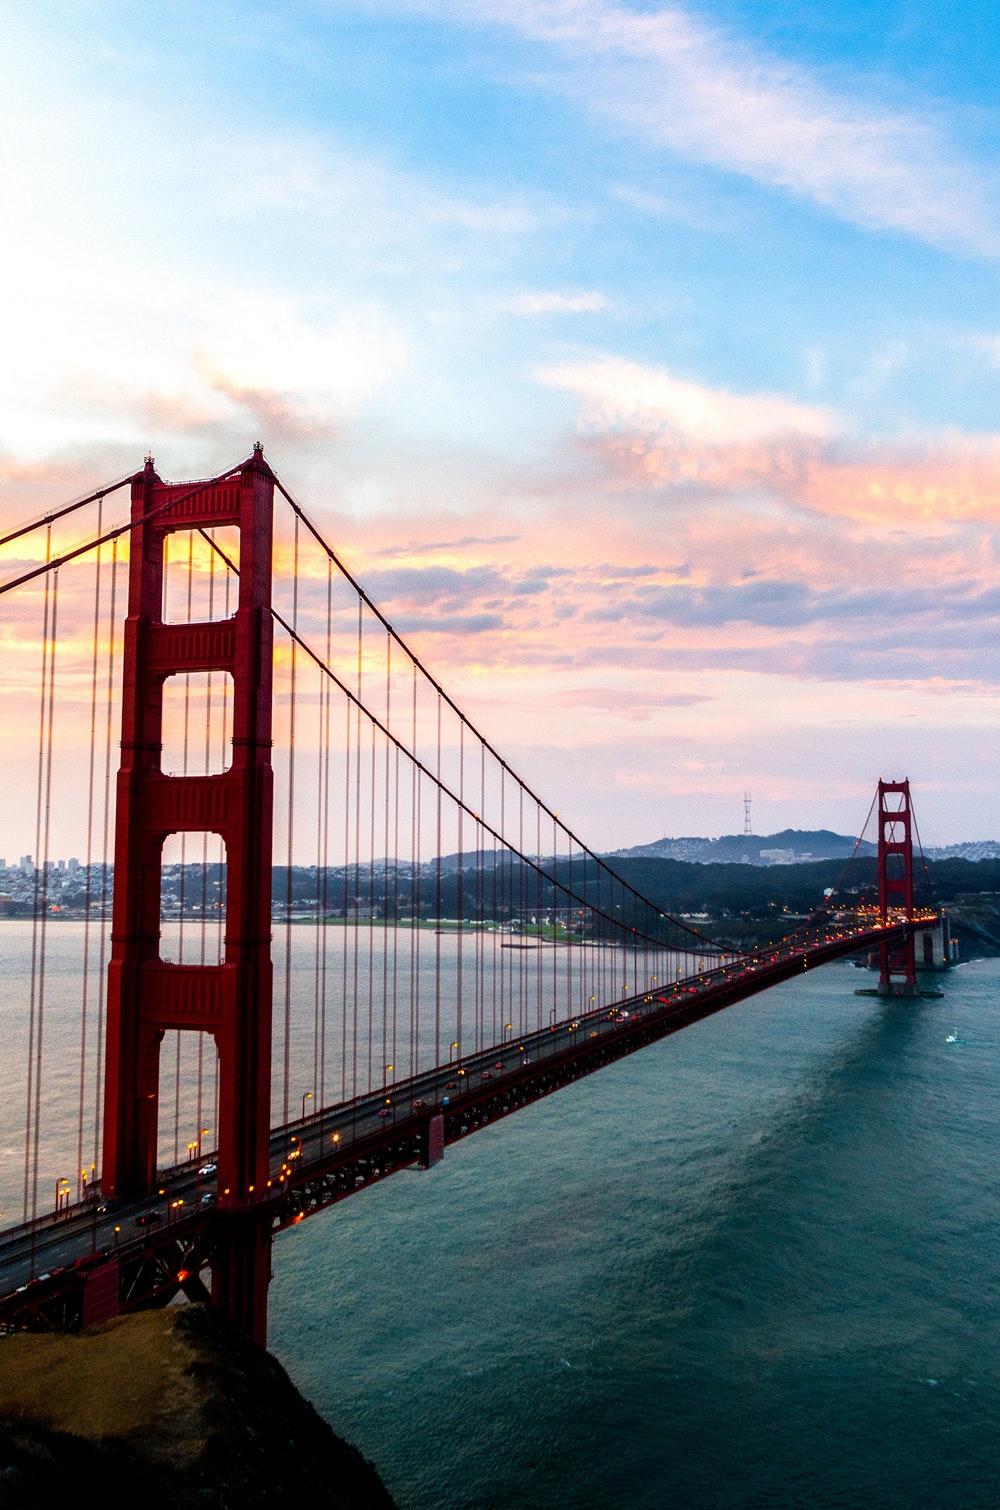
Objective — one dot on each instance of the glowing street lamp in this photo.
(306, 1096)
(451, 1050)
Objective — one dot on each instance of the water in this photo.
(393, 1007)
(755, 1266)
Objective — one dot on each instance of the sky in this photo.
(643, 361)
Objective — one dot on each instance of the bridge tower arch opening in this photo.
(897, 962)
(231, 1000)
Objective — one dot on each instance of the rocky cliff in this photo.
(169, 1408)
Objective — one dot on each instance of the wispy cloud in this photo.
(371, 198)
(620, 393)
(546, 302)
(985, 345)
(443, 547)
(713, 97)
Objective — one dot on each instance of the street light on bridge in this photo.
(306, 1096)
(451, 1050)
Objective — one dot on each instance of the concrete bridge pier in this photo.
(935, 947)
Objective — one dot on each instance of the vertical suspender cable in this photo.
(387, 1057)
(506, 966)
(183, 885)
(538, 916)
(325, 688)
(417, 921)
(437, 901)
(88, 882)
(460, 897)
(200, 1102)
(570, 1008)
(495, 914)
(289, 887)
(325, 893)
(555, 926)
(36, 898)
(395, 906)
(522, 909)
(105, 839)
(371, 912)
(222, 901)
(414, 888)
(357, 853)
(47, 811)
(345, 899)
(481, 907)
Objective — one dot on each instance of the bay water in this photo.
(755, 1265)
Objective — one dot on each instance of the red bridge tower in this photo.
(895, 884)
(146, 995)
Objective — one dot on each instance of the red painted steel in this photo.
(148, 996)
(895, 883)
(100, 1294)
(435, 1140)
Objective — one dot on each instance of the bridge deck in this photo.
(160, 1244)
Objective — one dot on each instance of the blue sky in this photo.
(705, 290)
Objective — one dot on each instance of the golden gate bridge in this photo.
(231, 1070)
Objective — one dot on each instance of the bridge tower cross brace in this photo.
(230, 1001)
(895, 883)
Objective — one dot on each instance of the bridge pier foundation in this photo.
(241, 1272)
(935, 947)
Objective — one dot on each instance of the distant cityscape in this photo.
(746, 888)
(68, 885)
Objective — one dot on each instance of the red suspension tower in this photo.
(146, 995)
(895, 885)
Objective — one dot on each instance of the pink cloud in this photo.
(658, 432)
(682, 614)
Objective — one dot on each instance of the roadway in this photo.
(85, 1230)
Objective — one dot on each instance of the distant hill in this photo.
(791, 846)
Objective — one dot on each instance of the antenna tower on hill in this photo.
(747, 824)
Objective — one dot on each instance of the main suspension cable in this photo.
(363, 596)
(69, 508)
